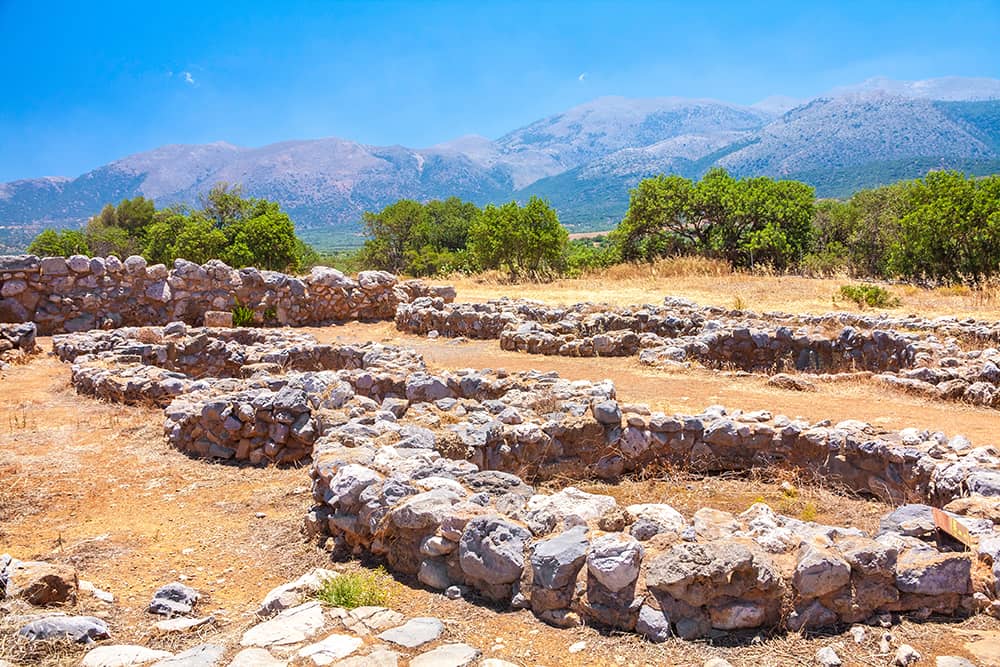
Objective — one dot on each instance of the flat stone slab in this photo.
(449, 655)
(377, 658)
(122, 655)
(182, 624)
(256, 657)
(415, 632)
(334, 647)
(203, 655)
(291, 626)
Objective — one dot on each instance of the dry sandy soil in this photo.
(95, 485)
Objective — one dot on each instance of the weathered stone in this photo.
(492, 550)
(447, 655)
(83, 629)
(415, 632)
(122, 656)
(291, 626)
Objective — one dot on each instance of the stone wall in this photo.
(81, 293)
(915, 359)
(433, 472)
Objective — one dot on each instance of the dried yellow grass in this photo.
(714, 282)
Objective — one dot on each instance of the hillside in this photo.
(584, 160)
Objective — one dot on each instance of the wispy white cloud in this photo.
(583, 75)
(188, 79)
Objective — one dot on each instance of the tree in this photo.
(657, 222)
(52, 243)
(242, 231)
(388, 233)
(524, 241)
(745, 221)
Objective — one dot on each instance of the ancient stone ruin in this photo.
(944, 358)
(437, 472)
(82, 293)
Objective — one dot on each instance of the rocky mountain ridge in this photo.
(584, 160)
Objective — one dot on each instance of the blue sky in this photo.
(85, 83)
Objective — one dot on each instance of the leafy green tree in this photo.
(389, 231)
(746, 221)
(52, 243)
(198, 241)
(524, 241)
(268, 237)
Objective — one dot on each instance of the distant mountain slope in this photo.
(584, 160)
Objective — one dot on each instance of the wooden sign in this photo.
(953, 527)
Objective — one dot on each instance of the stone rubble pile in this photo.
(81, 293)
(913, 357)
(427, 470)
(17, 342)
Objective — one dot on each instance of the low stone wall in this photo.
(433, 472)
(81, 293)
(680, 332)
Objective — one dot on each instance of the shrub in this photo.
(356, 589)
(869, 295)
(242, 315)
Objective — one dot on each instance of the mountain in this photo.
(583, 160)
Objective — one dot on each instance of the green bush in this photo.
(242, 315)
(869, 295)
(356, 589)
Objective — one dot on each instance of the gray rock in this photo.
(415, 632)
(614, 561)
(173, 599)
(819, 572)
(653, 624)
(607, 412)
(492, 550)
(827, 657)
(434, 573)
(447, 655)
(291, 626)
(203, 655)
(255, 657)
(83, 629)
(331, 648)
(931, 573)
(377, 658)
(951, 661)
(121, 656)
(555, 562)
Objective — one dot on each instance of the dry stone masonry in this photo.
(938, 358)
(82, 293)
(435, 474)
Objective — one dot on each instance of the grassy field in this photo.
(711, 282)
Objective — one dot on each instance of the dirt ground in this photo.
(95, 485)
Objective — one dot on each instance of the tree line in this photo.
(944, 227)
(241, 231)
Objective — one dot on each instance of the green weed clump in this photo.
(356, 589)
(872, 296)
(242, 315)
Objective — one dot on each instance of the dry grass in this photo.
(713, 282)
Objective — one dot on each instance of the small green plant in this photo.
(270, 314)
(739, 303)
(356, 589)
(869, 295)
(808, 512)
(242, 315)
